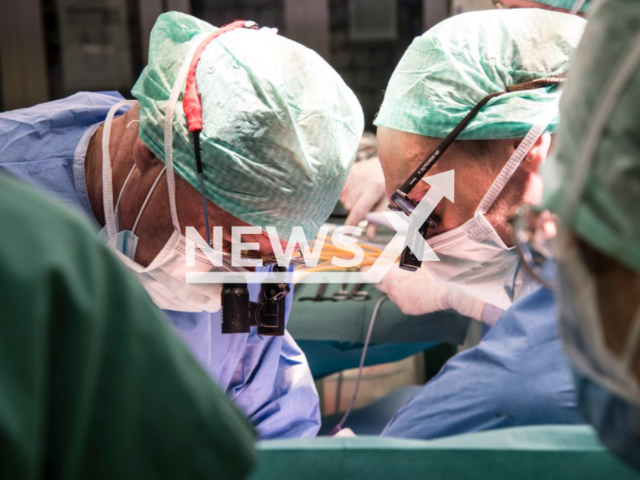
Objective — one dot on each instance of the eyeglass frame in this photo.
(400, 198)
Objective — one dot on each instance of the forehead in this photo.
(404, 147)
(408, 150)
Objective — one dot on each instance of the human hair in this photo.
(475, 147)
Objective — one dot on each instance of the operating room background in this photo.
(53, 48)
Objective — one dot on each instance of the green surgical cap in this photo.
(281, 128)
(566, 4)
(449, 69)
(606, 213)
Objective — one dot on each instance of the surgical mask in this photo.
(165, 277)
(126, 240)
(474, 257)
(608, 391)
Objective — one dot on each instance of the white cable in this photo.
(338, 427)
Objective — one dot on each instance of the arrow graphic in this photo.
(442, 186)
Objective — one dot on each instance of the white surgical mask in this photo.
(165, 277)
(473, 257)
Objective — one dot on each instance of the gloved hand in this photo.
(417, 293)
(364, 192)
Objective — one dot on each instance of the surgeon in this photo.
(364, 191)
(592, 185)
(278, 131)
(493, 78)
(94, 382)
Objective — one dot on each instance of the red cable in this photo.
(191, 100)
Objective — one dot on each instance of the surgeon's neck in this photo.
(123, 138)
(155, 226)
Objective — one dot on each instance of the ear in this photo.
(143, 157)
(537, 155)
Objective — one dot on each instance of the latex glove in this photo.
(417, 293)
(364, 192)
(345, 433)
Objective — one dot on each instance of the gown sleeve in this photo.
(517, 375)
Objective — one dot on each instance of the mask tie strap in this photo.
(146, 200)
(107, 178)
(124, 185)
(168, 133)
(516, 159)
(631, 347)
(577, 5)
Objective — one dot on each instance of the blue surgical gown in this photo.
(517, 375)
(267, 377)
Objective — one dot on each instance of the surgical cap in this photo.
(566, 4)
(281, 128)
(449, 69)
(597, 157)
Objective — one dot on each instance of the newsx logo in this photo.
(229, 267)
